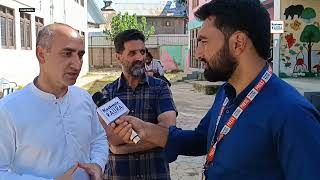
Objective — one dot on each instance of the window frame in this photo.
(8, 14)
(39, 23)
(195, 3)
(25, 31)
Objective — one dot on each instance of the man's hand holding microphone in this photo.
(112, 110)
(128, 128)
(148, 132)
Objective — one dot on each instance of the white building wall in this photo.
(22, 66)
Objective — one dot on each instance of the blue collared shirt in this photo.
(277, 137)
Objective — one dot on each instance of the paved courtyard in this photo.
(192, 106)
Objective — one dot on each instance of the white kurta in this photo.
(41, 137)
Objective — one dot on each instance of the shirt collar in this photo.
(230, 91)
(122, 83)
(44, 95)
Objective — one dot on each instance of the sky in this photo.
(100, 3)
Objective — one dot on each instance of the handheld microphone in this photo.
(111, 110)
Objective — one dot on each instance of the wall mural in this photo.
(300, 44)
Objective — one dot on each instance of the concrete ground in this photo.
(192, 106)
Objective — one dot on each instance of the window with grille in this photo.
(166, 23)
(7, 27)
(25, 31)
(194, 63)
(195, 3)
(38, 24)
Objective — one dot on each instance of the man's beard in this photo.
(221, 66)
(137, 69)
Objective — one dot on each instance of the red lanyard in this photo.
(235, 115)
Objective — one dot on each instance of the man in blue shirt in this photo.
(259, 127)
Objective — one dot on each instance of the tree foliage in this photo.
(308, 13)
(311, 33)
(124, 22)
(182, 1)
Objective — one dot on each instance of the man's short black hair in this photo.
(127, 35)
(148, 54)
(248, 16)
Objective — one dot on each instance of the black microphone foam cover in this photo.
(99, 99)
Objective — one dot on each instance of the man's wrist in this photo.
(98, 165)
(147, 128)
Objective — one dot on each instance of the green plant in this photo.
(124, 22)
(19, 87)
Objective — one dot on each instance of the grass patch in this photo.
(97, 85)
(171, 75)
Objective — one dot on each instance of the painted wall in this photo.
(173, 57)
(299, 58)
(22, 66)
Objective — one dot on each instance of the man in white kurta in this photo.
(50, 129)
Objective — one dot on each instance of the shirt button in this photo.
(132, 111)
(227, 111)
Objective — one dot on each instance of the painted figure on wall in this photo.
(317, 66)
(300, 42)
(310, 35)
(293, 10)
(308, 15)
(290, 40)
(300, 66)
(296, 25)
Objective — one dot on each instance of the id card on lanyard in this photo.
(234, 117)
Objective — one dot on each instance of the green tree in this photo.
(310, 35)
(124, 22)
(308, 14)
(182, 1)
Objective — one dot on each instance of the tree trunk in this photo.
(309, 57)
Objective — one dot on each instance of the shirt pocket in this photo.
(150, 111)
